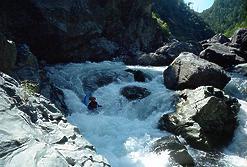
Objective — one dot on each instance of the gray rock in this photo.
(139, 76)
(219, 38)
(27, 67)
(153, 59)
(81, 30)
(7, 54)
(177, 150)
(188, 71)
(134, 92)
(222, 55)
(35, 133)
(174, 49)
(204, 117)
(164, 55)
(239, 36)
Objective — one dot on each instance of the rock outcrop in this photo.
(26, 67)
(7, 54)
(134, 92)
(79, 30)
(240, 38)
(184, 23)
(188, 71)
(164, 55)
(35, 133)
(218, 38)
(204, 117)
(222, 55)
(177, 150)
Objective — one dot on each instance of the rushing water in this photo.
(123, 131)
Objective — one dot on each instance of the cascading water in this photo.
(123, 131)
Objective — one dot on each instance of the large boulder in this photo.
(35, 133)
(218, 38)
(205, 117)
(134, 92)
(139, 76)
(240, 38)
(188, 71)
(164, 55)
(80, 30)
(153, 59)
(177, 150)
(222, 55)
(7, 54)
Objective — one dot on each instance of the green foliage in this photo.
(163, 25)
(184, 23)
(230, 32)
(29, 89)
(225, 16)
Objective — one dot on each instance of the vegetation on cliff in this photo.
(226, 16)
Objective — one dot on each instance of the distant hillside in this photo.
(226, 15)
(183, 22)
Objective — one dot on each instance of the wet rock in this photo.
(177, 150)
(241, 68)
(222, 55)
(31, 125)
(53, 93)
(188, 71)
(134, 92)
(206, 118)
(7, 54)
(27, 67)
(139, 76)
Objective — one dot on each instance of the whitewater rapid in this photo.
(124, 131)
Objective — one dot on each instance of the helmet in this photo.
(92, 98)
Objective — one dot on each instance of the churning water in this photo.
(124, 131)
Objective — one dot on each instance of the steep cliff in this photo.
(183, 22)
(226, 15)
(78, 30)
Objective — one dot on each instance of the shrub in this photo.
(163, 25)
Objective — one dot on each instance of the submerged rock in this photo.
(204, 117)
(222, 55)
(188, 71)
(35, 133)
(134, 92)
(177, 150)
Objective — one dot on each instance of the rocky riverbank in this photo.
(35, 133)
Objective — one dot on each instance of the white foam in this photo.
(123, 131)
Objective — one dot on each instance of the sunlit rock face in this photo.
(35, 133)
(204, 117)
(78, 30)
